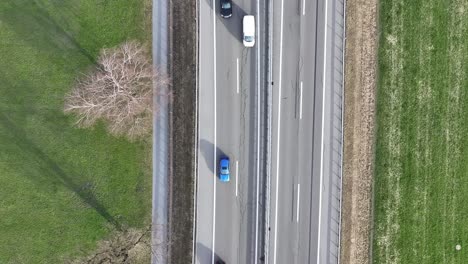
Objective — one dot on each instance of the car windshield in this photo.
(226, 5)
(248, 38)
(224, 168)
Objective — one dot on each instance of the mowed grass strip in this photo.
(421, 174)
(62, 188)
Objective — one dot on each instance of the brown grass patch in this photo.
(360, 87)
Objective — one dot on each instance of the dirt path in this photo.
(360, 89)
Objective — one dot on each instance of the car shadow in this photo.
(232, 24)
(207, 151)
(204, 254)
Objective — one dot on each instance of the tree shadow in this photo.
(53, 170)
(36, 26)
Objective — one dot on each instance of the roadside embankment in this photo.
(359, 130)
(184, 30)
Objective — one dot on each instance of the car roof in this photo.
(224, 161)
(249, 24)
(224, 177)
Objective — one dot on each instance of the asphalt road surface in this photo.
(297, 135)
(227, 214)
(303, 188)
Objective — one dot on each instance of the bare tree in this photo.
(119, 91)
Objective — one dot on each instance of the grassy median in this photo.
(62, 188)
(421, 184)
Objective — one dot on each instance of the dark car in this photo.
(226, 8)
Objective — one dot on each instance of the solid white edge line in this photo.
(278, 139)
(237, 67)
(258, 131)
(197, 138)
(300, 103)
(298, 201)
(237, 175)
(214, 143)
(323, 129)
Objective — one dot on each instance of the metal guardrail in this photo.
(342, 126)
(337, 84)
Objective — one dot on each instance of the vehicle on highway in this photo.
(248, 28)
(224, 169)
(226, 8)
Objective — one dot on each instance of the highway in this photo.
(288, 211)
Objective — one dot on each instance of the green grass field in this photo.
(421, 184)
(61, 188)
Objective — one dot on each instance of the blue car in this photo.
(224, 169)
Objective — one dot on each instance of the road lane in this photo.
(299, 133)
(311, 133)
(231, 118)
(205, 166)
(236, 130)
(306, 121)
(286, 120)
(229, 122)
